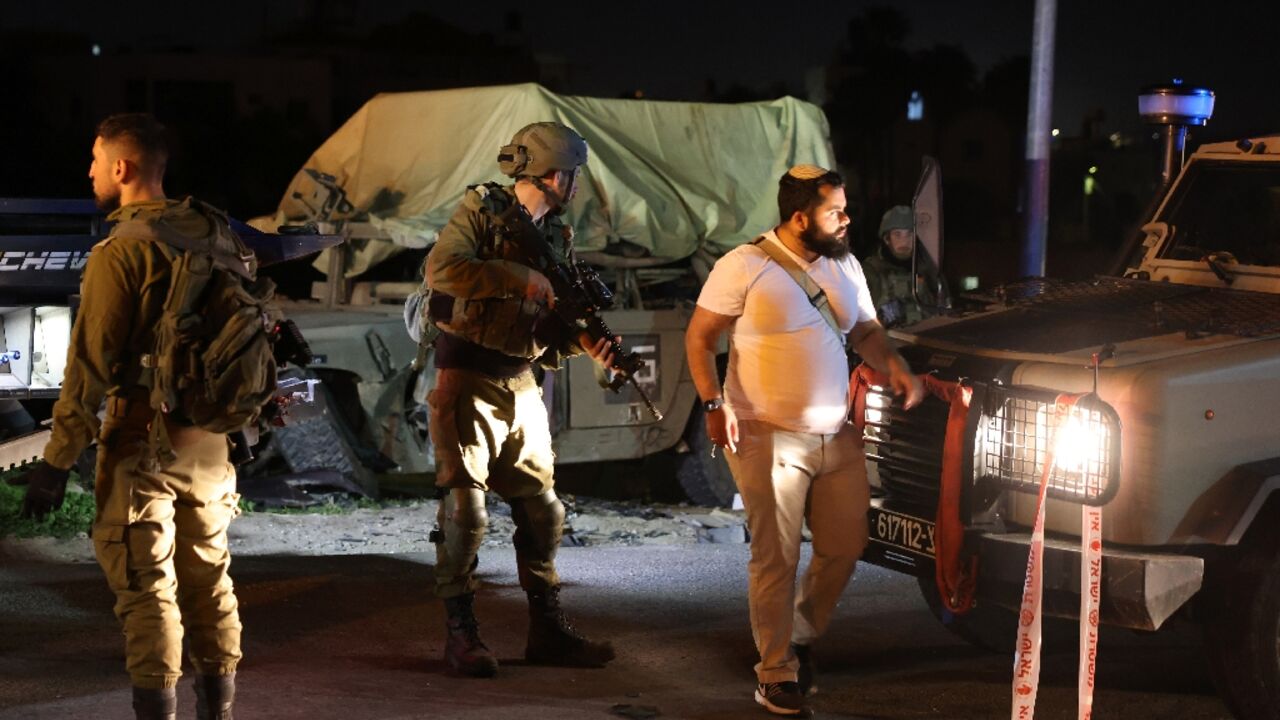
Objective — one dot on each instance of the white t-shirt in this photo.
(786, 366)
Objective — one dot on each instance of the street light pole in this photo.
(1039, 110)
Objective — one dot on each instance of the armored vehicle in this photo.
(1176, 437)
(667, 188)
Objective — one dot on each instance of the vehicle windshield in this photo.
(1226, 207)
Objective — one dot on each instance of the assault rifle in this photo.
(580, 296)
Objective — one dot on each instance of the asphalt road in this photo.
(358, 638)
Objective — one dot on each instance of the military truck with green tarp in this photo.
(667, 189)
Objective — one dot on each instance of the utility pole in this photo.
(1039, 111)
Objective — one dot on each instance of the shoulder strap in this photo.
(233, 257)
(817, 298)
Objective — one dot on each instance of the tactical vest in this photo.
(509, 325)
(895, 304)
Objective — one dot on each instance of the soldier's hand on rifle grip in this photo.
(601, 351)
(539, 289)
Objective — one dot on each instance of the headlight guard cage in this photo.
(1013, 434)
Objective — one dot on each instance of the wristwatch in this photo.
(713, 404)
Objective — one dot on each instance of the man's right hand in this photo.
(722, 427)
(46, 487)
(539, 289)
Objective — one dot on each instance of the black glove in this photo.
(46, 486)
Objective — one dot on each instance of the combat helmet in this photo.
(537, 149)
(898, 217)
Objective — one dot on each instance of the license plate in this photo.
(901, 532)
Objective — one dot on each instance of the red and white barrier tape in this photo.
(1026, 659)
(1090, 595)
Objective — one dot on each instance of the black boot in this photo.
(155, 703)
(214, 696)
(463, 649)
(553, 641)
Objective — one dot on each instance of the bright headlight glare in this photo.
(1077, 445)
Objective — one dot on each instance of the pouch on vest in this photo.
(418, 324)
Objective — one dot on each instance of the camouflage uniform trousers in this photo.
(161, 539)
(492, 434)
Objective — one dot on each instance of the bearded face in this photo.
(826, 242)
(108, 201)
(106, 190)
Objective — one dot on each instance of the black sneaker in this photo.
(805, 675)
(781, 698)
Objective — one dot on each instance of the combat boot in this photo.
(553, 641)
(155, 703)
(463, 649)
(214, 696)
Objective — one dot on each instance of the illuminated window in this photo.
(915, 107)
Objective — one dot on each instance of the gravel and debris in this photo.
(403, 527)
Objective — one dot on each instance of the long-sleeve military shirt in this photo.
(122, 298)
(461, 266)
(470, 262)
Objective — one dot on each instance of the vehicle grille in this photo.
(906, 446)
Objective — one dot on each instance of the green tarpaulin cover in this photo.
(666, 176)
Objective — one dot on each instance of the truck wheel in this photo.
(706, 480)
(325, 442)
(1242, 634)
(987, 626)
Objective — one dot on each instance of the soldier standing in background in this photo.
(889, 276)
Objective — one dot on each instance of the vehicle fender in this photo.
(1228, 508)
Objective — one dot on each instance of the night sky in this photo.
(1106, 51)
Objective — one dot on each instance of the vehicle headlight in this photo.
(1016, 429)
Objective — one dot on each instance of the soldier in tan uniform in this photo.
(889, 275)
(160, 532)
(488, 423)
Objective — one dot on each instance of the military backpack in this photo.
(212, 363)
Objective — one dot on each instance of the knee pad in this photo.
(544, 510)
(464, 508)
(539, 521)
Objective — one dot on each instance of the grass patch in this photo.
(77, 511)
(75, 515)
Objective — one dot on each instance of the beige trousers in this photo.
(786, 478)
(161, 539)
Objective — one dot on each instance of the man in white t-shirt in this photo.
(783, 415)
